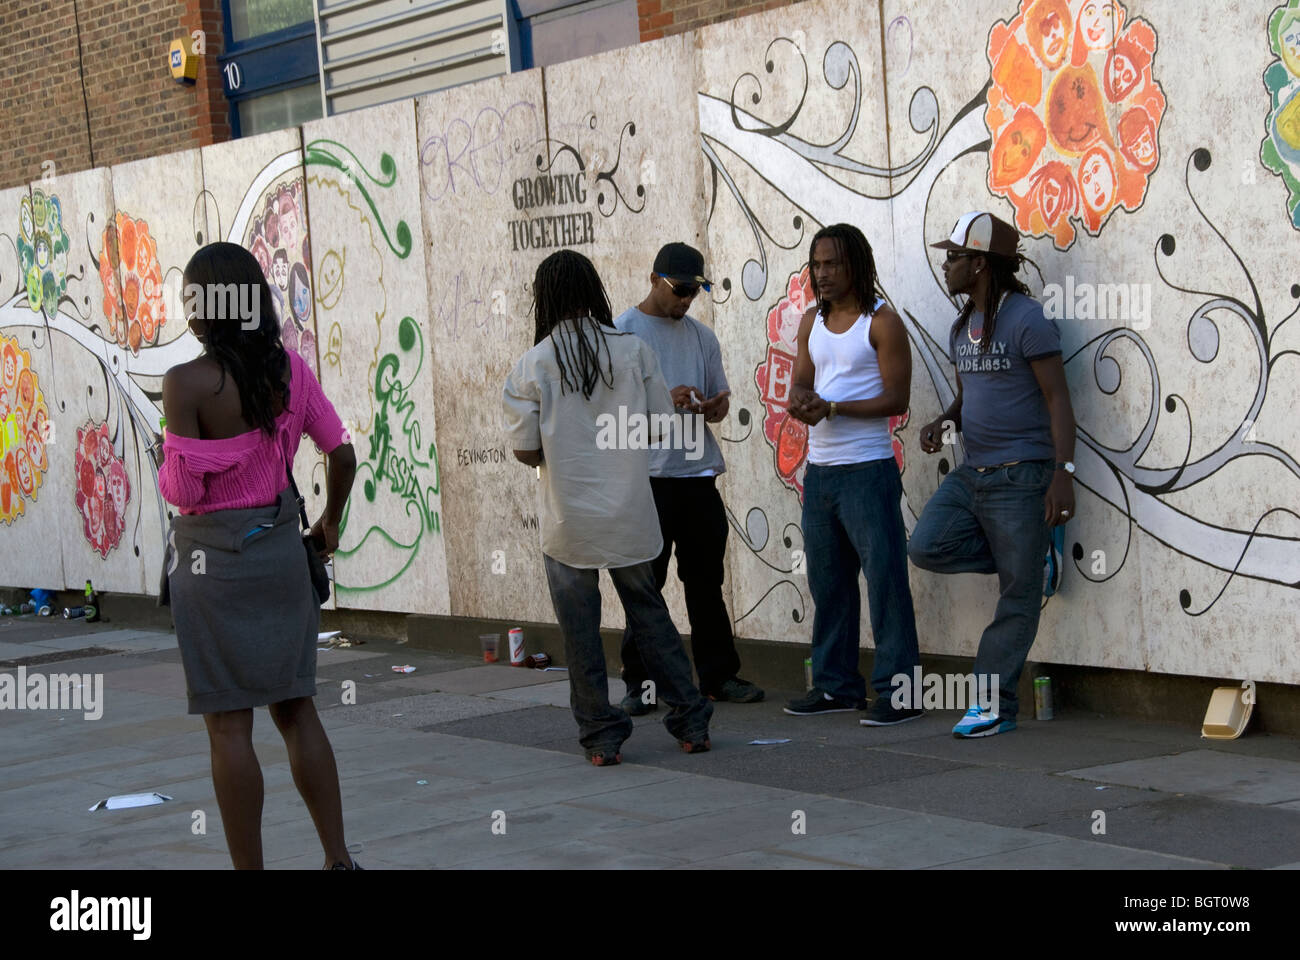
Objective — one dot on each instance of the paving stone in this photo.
(1078, 855)
(1208, 773)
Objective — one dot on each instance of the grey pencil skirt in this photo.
(245, 612)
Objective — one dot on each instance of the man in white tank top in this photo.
(853, 372)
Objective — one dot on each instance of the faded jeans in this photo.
(993, 523)
(852, 521)
(575, 593)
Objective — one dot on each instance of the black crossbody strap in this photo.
(302, 508)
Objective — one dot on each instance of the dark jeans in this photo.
(576, 596)
(993, 523)
(691, 516)
(852, 520)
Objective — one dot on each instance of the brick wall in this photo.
(135, 108)
(663, 18)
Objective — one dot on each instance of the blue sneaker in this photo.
(981, 723)
(1053, 563)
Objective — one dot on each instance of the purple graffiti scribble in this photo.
(902, 21)
(479, 150)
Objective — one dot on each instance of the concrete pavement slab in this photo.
(1207, 773)
(1079, 855)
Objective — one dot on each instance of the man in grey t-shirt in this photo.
(683, 473)
(998, 511)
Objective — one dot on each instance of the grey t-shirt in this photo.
(689, 354)
(1004, 414)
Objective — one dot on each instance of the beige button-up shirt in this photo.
(596, 508)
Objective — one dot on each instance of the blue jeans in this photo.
(993, 523)
(576, 595)
(852, 520)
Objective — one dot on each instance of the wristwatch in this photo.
(831, 415)
(1067, 466)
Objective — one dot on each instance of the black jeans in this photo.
(691, 516)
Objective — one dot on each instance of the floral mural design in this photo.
(132, 277)
(787, 436)
(43, 251)
(1073, 113)
(103, 490)
(1280, 151)
(277, 237)
(24, 430)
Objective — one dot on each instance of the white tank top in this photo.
(847, 369)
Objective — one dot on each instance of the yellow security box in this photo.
(182, 59)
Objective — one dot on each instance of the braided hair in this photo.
(251, 353)
(855, 254)
(1002, 280)
(567, 287)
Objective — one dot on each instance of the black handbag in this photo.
(320, 578)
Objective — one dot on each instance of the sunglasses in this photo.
(955, 255)
(687, 289)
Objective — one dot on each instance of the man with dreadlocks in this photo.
(597, 509)
(997, 512)
(852, 373)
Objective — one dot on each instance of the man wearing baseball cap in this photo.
(683, 477)
(999, 511)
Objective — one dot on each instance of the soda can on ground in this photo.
(807, 673)
(517, 655)
(1042, 698)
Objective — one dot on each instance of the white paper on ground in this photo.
(328, 635)
(125, 800)
(763, 743)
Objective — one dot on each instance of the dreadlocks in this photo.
(1002, 280)
(567, 287)
(855, 253)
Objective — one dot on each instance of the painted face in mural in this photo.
(1124, 66)
(300, 293)
(1097, 180)
(104, 450)
(1053, 192)
(280, 270)
(1137, 139)
(11, 367)
(331, 279)
(1288, 35)
(271, 229)
(1048, 28)
(1098, 22)
(26, 389)
(25, 220)
(35, 447)
(42, 250)
(262, 255)
(1076, 115)
(1017, 148)
(95, 517)
(288, 221)
(101, 485)
(26, 475)
(117, 487)
(1288, 122)
(5, 407)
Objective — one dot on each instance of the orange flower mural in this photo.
(1073, 114)
(132, 278)
(24, 430)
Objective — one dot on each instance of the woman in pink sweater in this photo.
(242, 599)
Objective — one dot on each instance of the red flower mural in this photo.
(787, 436)
(1073, 113)
(103, 490)
(132, 278)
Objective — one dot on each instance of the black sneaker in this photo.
(737, 690)
(817, 701)
(882, 713)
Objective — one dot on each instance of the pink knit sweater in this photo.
(202, 476)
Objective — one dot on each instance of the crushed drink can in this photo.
(807, 673)
(538, 661)
(1042, 698)
(76, 613)
(517, 655)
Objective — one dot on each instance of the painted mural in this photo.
(1074, 114)
(24, 429)
(1280, 151)
(400, 241)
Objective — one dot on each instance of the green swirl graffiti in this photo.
(326, 153)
